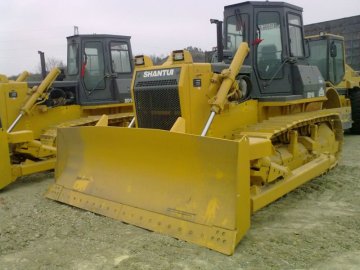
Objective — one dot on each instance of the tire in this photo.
(355, 110)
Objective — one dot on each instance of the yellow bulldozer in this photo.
(98, 79)
(213, 142)
(327, 52)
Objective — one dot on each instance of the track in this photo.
(276, 126)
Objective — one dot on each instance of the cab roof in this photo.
(265, 3)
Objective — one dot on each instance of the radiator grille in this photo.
(157, 104)
(156, 83)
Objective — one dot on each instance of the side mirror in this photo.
(333, 49)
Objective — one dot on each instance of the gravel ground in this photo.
(316, 226)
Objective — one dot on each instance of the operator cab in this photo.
(327, 53)
(274, 32)
(102, 67)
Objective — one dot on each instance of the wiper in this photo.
(106, 76)
(290, 60)
(239, 22)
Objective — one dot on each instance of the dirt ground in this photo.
(316, 226)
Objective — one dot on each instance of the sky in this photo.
(156, 27)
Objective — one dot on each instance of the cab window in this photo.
(236, 26)
(73, 59)
(120, 57)
(295, 35)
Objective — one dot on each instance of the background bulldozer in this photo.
(327, 52)
(99, 70)
(213, 142)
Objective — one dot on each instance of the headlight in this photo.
(139, 60)
(178, 55)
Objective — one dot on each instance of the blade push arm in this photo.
(46, 83)
(229, 76)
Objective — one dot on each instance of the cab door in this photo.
(95, 75)
(271, 68)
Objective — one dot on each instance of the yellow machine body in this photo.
(30, 145)
(202, 189)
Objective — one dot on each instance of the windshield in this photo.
(236, 27)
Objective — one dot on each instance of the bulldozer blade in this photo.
(6, 176)
(190, 187)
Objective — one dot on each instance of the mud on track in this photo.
(316, 226)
